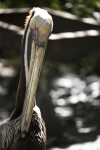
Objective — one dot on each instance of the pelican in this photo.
(25, 129)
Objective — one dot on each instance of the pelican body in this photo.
(25, 129)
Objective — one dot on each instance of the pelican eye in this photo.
(35, 34)
(35, 37)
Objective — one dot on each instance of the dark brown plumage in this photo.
(10, 137)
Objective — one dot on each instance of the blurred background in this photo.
(69, 87)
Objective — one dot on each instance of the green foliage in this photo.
(3, 5)
(83, 8)
(90, 63)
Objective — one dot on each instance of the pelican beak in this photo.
(40, 30)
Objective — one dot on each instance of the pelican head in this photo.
(36, 36)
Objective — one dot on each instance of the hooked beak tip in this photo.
(23, 134)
